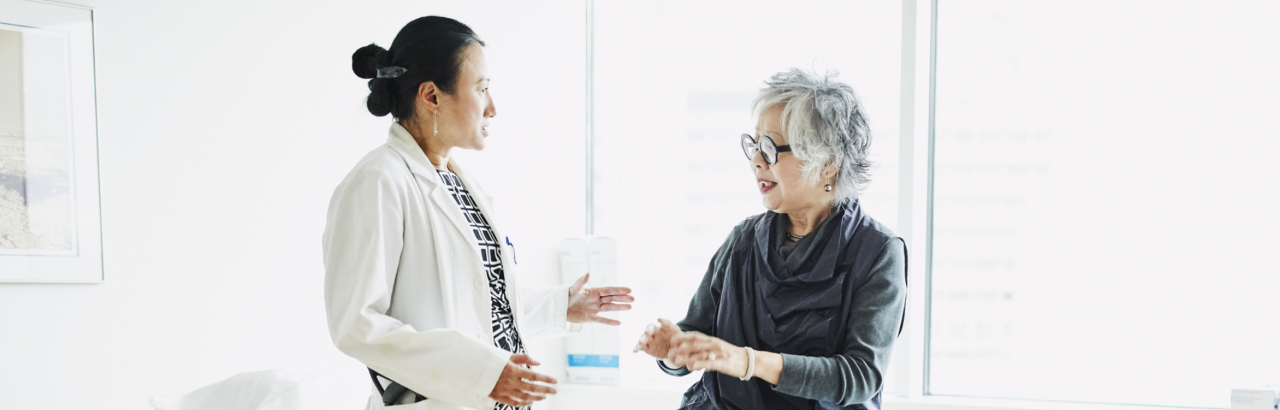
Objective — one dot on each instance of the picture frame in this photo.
(50, 214)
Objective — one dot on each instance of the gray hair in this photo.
(825, 126)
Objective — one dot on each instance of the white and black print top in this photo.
(505, 335)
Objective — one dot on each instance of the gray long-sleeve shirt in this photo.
(856, 374)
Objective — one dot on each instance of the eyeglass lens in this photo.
(766, 147)
(769, 150)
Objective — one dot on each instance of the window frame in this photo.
(907, 387)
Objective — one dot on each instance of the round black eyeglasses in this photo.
(767, 148)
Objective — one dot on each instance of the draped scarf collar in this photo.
(768, 307)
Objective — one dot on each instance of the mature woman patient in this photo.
(800, 307)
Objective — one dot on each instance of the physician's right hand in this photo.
(515, 387)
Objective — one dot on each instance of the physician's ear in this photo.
(428, 96)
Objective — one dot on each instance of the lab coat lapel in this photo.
(483, 200)
(437, 194)
(485, 203)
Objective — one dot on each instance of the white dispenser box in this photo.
(593, 354)
(1257, 398)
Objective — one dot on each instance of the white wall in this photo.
(224, 127)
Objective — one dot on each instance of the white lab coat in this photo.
(405, 291)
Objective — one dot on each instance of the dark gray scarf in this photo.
(799, 308)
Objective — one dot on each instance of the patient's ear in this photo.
(828, 172)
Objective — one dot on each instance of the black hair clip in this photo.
(391, 72)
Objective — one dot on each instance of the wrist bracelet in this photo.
(751, 364)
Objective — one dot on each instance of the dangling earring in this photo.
(435, 125)
(828, 188)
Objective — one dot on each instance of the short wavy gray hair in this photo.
(825, 126)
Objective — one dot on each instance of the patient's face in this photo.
(781, 186)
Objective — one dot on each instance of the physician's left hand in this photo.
(585, 304)
(701, 352)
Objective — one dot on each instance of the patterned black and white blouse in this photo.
(505, 335)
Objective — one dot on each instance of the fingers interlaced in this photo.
(689, 337)
(692, 348)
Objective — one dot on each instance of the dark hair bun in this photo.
(365, 60)
(382, 94)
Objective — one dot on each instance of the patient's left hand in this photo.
(701, 352)
(585, 304)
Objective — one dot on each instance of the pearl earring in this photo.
(435, 125)
(828, 188)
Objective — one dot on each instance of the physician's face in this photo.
(464, 114)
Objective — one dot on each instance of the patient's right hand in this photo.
(656, 340)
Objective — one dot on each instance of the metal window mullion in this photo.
(590, 114)
(928, 267)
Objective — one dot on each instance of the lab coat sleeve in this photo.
(545, 312)
(362, 245)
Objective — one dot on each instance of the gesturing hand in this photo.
(515, 387)
(702, 352)
(656, 340)
(585, 304)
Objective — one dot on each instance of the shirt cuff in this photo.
(674, 372)
(498, 360)
(792, 378)
(562, 309)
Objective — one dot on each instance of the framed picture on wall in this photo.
(50, 223)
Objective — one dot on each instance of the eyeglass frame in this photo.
(756, 145)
